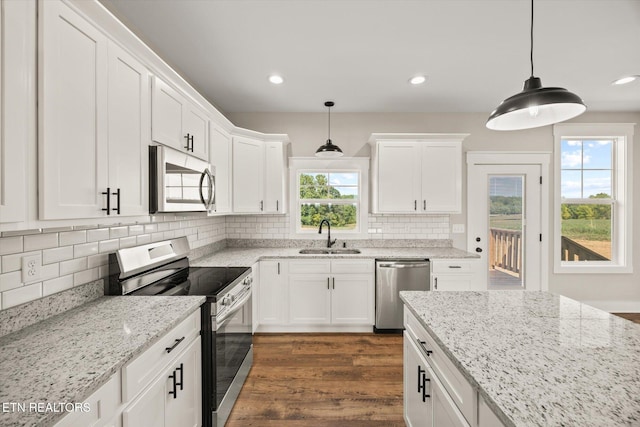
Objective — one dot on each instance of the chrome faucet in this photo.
(329, 241)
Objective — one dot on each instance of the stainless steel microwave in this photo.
(179, 182)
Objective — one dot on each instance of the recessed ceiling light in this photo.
(276, 79)
(417, 80)
(624, 80)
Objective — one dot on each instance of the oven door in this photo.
(179, 182)
(233, 341)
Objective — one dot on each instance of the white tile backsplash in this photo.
(11, 245)
(21, 295)
(40, 241)
(73, 237)
(10, 280)
(85, 249)
(97, 235)
(58, 284)
(57, 254)
(73, 266)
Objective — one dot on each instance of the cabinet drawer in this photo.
(310, 266)
(452, 266)
(451, 378)
(102, 406)
(354, 266)
(138, 373)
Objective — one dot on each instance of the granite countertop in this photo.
(67, 357)
(246, 257)
(538, 359)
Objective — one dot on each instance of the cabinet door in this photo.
(129, 124)
(309, 299)
(248, 172)
(274, 178)
(441, 178)
(185, 409)
(148, 409)
(398, 177)
(445, 412)
(452, 282)
(166, 122)
(196, 124)
(220, 158)
(352, 299)
(72, 135)
(417, 407)
(17, 74)
(273, 292)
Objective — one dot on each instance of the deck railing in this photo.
(505, 250)
(574, 251)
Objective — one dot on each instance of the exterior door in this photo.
(505, 224)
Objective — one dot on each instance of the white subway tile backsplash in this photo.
(127, 242)
(97, 260)
(150, 228)
(11, 245)
(97, 235)
(85, 249)
(57, 254)
(10, 280)
(40, 241)
(74, 265)
(58, 284)
(109, 245)
(116, 232)
(21, 295)
(73, 237)
(49, 271)
(85, 276)
(134, 230)
(143, 239)
(14, 262)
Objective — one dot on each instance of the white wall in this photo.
(307, 131)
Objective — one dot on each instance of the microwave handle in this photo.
(209, 177)
(212, 190)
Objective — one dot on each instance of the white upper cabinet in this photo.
(17, 105)
(220, 158)
(94, 121)
(417, 173)
(129, 118)
(258, 176)
(177, 122)
(73, 134)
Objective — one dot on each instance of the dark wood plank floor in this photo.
(322, 380)
(634, 317)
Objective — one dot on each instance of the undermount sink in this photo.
(329, 251)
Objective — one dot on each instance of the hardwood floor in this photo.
(322, 380)
(634, 317)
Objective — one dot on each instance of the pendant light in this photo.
(535, 106)
(328, 149)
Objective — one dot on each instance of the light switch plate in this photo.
(31, 268)
(457, 228)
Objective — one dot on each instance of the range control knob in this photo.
(226, 301)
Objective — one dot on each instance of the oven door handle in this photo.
(237, 306)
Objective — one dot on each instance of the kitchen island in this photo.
(535, 358)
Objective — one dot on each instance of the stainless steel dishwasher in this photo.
(393, 276)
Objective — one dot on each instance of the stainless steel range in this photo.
(162, 268)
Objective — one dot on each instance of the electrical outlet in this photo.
(31, 268)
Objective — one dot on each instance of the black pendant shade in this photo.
(535, 106)
(328, 149)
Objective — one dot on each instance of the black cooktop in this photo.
(207, 281)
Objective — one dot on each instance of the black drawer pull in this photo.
(174, 392)
(178, 341)
(181, 369)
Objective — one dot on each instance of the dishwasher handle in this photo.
(405, 265)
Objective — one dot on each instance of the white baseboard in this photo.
(616, 306)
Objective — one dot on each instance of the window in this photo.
(334, 190)
(593, 198)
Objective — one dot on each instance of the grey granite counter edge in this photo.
(488, 399)
(82, 394)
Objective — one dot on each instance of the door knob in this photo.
(478, 249)
(477, 239)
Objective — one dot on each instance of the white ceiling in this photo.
(361, 53)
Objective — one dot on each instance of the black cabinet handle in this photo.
(424, 205)
(188, 138)
(334, 282)
(117, 194)
(415, 205)
(478, 250)
(181, 375)
(278, 268)
(108, 194)
(277, 206)
(261, 205)
(435, 281)
(328, 283)
(424, 387)
(192, 143)
(170, 349)
(420, 376)
(174, 392)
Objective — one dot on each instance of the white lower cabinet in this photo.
(174, 399)
(304, 295)
(455, 275)
(436, 394)
(103, 406)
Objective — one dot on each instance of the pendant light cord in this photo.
(329, 126)
(531, 54)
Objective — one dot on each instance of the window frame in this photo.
(621, 199)
(360, 165)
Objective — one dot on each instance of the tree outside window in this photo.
(329, 195)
